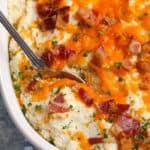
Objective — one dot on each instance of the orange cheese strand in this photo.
(83, 141)
(42, 93)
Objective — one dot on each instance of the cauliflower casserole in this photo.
(107, 44)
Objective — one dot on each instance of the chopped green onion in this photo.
(66, 126)
(120, 79)
(24, 109)
(57, 90)
(54, 42)
(29, 104)
(105, 134)
(21, 76)
(110, 120)
(97, 147)
(118, 65)
(76, 37)
(17, 87)
(38, 107)
(140, 136)
(71, 107)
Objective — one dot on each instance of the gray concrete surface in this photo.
(10, 137)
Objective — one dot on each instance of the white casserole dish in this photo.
(8, 93)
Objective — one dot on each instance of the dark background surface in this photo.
(10, 137)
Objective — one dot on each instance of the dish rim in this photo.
(8, 93)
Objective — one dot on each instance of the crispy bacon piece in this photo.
(129, 125)
(99, 57)
(57, 105)
(111, 107)
(48, 58)
(143, 64)
(127, 64)
(145, 82)
(122, 108)
(64, 52)
(85, 97)
(106, 20)
(135, 46)
(55, 108)
(62, 17)
(108, 107)
(48, 23)
(51, 15)
(46, 9)
(115, 130)
(95, 140)
(87, 16)
(32, 85)
(59, 99)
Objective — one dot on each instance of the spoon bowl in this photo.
(37, 62)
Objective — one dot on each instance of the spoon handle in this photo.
(29, 53)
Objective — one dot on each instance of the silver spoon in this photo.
(37, 62)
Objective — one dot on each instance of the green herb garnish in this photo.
(76, 37)
(110, 120)
(97, 147)
(38, 107)
(21, 76)
(57, 90)
(29, 104)
(54, 42)
(38, 75)
(140, 136)
(120, 79)
(118, 65)
(102, 32)
(146, 125)
(135, 147)
(17, 87)
(65, 126)
(71, 107)
(105, 134)
(24, 109)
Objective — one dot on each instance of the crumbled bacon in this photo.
(128, 124)
(48, 58)
(64, 52)
(108, 107)
(57, 105)
(99, 56)
(62, 17)
(59, 99)
(48, 23)
(115, 130)
(32, 85)
(122, 108)
(111, 107)
(52, 15)
(145, 82)
(106, 20)
(46, 9)
(146, 48)
(127, 64)
(55, 108)
(85, 97)
(95, 140)
(143, 64)
(87, 16)
(135, 46)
